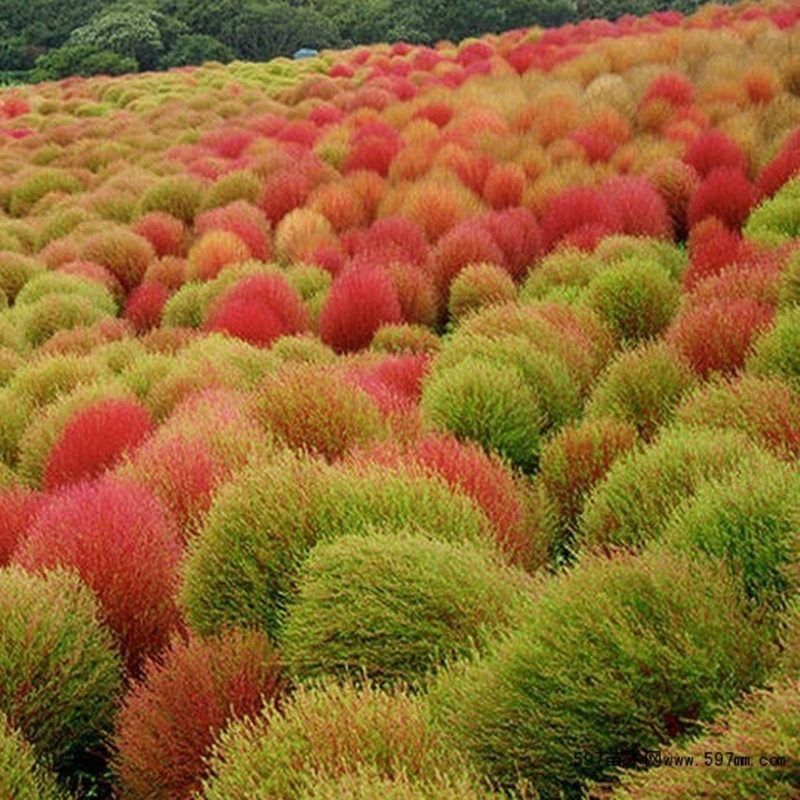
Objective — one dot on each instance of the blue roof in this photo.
(306, 52)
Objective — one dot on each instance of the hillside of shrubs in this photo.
(407, 422)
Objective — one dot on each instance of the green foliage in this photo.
(327, 732)
(640, 491)
(621, 655)
(777, 219)
(56, 656)
(777, 351)
(84, 60)
(21, 778)
(395, 606)
(479, 285)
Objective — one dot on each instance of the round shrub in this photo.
(394, 607)
(18, 508)
(749, 519)
(240, 569)
(15, 271)
(312, 408)
(171, 716)
(186, 307)
(214, 251)
(144, 306)
(621, 655)
(177, 195)
(56, 655)
(327, 732)
(164, 232)
(576, 459)
(302, 349)
(717, 336)
(21, 778)
(765, 724)
(777, 219)
(123, 253)
(777, 351)
(725, 193)
(566, 268)
(641, 387)
(765, 408)
(42, 319)
(637, 298)
(491, 405)
(359, 302)
(243, 220)
(95, 439)
(633, 503)
(479, 285)
(94, 528)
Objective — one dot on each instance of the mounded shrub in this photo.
(405, 338)
(21, 777)
(312, 408)
(777, 351)
(640, 491)
(40, 320)
(777, 219)
(15, 271)
(575, 460)
(641, 387)
(479, 285)
(621, 655)
(122, 252)
(765, 408)
(18, 508)
(178, 195)
(327, 732)
(302, 349)
(392, 607)
(488, 404)
(214, 251)
(765, 725)
(144, 306)
(564, 269)
(94, 528)
(636, 298)
(171, 716)
(749, 519)
(56, 655)
(240, 569)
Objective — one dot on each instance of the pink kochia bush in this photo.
(359, 302)
(96, 439)
(118, 538)
(18, 508)
(171, 716)
(259, 310)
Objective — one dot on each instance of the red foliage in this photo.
(404, 236)
(359, 302)
(713, 246)
(165, 232)
(415, 292)
(259, 309)
(675, 181)
(641, 209)
(437, 113)
(93, 272)
(170, 718)
(144, 306)
(115, 534)
(242, 219)
(283, 192)
(468, 243)
(503, 186)
(575, 209)
(711, 150)
(672, 87)
(374, 153)
(716, 337)
(95, 439)
(517, 233)
(783, 167)
(18, 508)
(726, 194)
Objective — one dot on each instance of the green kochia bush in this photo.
(766, 724)
(777, 220)
(395, 606)
(632, 504)
(241, 568)
(750, 519)
(59, 672)
(642, 387)
(489, 404)
(621, 655)
(777, 351)
(21, 778)
(325, 733)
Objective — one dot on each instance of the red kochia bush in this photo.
(95, 439)
(516, 232)
(259, 309)
(712, 247)
(640, 208)
(144, 306)
(118, 538)
(359, 302)
(283, 192)
(242, 219)
(672, 87)
(716, 337)
(170, 718)
(467, 243)
(574, 209)
(504, 185)
(711, 150)
(726, 194)
(165, 232)
(782, 168)
(18, 507)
